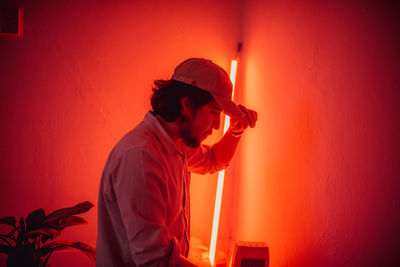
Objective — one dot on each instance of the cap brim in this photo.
(228, 106)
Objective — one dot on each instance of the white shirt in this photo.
(143, 205)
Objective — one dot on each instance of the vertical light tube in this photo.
(221, 176)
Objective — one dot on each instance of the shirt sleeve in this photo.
(141, 193)
(202, 160)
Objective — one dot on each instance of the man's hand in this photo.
(238, 125)
(226, 147)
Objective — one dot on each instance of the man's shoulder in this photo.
(148, 137)
(138, 139)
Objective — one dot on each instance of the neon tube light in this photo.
(221, 176)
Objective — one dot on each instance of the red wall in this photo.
(319, 176)
(317, 179)
(78, 80)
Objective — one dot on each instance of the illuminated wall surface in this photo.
(317, 179)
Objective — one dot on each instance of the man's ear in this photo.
(186, 107)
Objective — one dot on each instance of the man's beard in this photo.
(186, 133)
(188, 139)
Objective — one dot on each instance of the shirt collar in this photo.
(161, 134)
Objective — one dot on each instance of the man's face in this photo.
(199, 126)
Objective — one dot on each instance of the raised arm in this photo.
(226, 147)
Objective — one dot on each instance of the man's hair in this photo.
(167, 95)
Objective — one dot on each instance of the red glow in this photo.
(221, 176)
(317, 179)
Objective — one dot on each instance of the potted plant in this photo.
(31, 242)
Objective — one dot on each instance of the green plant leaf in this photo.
(21, 233)
(65, 222)
(22, 223)
(48, 232)
(8, 220)
(71, 221)
(44, 239)
(35, 219)
(61, 245)
(7, 239)
(66, 212)
(12, 232)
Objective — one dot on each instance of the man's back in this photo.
(143, 198)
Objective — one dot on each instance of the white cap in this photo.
(206, 75)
